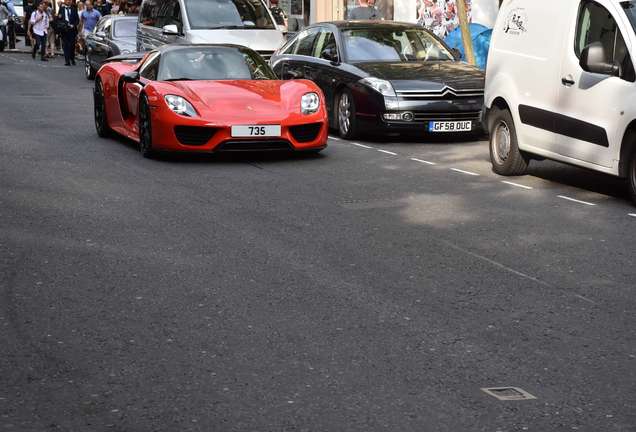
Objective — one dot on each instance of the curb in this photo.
(25, 51)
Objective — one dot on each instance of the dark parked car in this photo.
(113, 35)
(385, 77)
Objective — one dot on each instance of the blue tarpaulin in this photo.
(481, 42)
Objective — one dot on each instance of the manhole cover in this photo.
(508, 393)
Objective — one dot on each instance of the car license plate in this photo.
(450, 126)
(256, 131)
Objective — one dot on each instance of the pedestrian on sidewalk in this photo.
(89, 18)
(10, 6)
(39, 23)
(50, 42)
(29, 8)
(68, 20)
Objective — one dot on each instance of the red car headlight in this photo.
(309, 103)
(180, 106)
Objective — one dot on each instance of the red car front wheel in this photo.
(101, 118)
(145, 129)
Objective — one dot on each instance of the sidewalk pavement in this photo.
(20, 47)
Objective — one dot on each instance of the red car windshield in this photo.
(213, 63)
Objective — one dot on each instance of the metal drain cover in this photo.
(508, 393)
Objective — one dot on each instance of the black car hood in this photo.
(426, 76)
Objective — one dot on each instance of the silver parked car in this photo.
(241, 22)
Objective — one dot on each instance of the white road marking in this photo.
(496, 264)
(423, 161)
(362, 145)
(575, 200)
(335, 138)
(632, 214)
(517, 185)
(464, 172)
(585, 299)
(387, 152)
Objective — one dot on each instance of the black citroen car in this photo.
(385, 77)
(113, 35)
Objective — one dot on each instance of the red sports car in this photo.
(207, 98)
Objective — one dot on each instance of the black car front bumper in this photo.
(416, 114)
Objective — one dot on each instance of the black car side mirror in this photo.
(330, 54)
(593, 60)
(131, 77)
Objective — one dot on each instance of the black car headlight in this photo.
(385, 88)
(180, 106)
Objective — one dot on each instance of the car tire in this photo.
(346, 115)
(99, 108)
(505, 156)
(631, 175)
(145, 129)
(89, 72)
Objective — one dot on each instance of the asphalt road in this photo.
(364, 289)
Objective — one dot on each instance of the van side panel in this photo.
(524, 66)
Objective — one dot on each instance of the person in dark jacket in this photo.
(68, 20)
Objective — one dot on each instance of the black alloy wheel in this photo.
(145, 129)
(101, 119)
(346, 113)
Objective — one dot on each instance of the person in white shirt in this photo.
(39, 28)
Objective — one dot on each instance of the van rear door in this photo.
(591, 105)
(525, 65)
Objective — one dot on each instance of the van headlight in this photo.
(309, 103)
(180, 106)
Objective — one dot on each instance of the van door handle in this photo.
(567, 81)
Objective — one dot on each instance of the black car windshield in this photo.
(391, 45)
(241, 14)
(125, 28)
(213, 63)
(630, 10)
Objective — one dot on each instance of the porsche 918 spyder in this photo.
(207, 98)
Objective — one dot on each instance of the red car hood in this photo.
(239, 101)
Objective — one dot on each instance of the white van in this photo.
(240, 22)
(560, 84)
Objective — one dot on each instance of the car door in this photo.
(148, 72)
(148, 32)
(102, 35)
(591, 105)
(323, 68)
(297, 66)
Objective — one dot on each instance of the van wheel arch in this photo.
(500, 103)
(628, 147)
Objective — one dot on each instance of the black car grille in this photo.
(446, 93)
(194, 135)
(254, 145)
(446, 116)
(305, 133)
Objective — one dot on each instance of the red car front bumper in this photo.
(173, 132)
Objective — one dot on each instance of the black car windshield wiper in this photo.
(179, 79)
